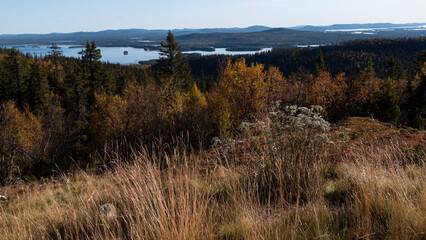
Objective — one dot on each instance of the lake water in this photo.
(115, 54)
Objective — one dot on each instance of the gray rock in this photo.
(108, 210)
(216, 142)
(228, 141)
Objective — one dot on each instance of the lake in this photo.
(116, 54)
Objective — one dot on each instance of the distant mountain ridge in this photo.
(134, 32)
(234, 39)
(355, 26)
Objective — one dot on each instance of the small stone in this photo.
(108, 210)
(2, 197)
(215, 142)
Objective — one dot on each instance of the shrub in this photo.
(20, 140)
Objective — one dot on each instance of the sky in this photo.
(46, 16)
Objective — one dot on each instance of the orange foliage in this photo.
(362, 92)
(327, 91)
(244, 91)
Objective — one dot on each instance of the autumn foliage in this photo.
(60, 112)
(20, 140)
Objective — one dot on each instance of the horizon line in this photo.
(189, 28)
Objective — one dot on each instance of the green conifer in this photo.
(173, 66)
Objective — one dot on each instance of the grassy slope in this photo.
(367, 181)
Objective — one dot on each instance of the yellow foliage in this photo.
(173, 99)
(20, 138)
(176, 102)
(219, 112)
(108, 116)
(244, 91)
(196, 98)
(277, 85)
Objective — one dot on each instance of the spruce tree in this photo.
(91, 54)
(38, 86)
(394, 69)
(369, 70)
(173, 66)
(387, 103)
(13, 83)
(96, 72)
(55, 53)
(320, 64)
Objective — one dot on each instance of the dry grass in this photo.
(373, 191)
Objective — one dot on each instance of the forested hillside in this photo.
(293, 144)
(56, 109)
(348, 57)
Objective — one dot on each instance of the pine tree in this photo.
(38, 86)
(173, 66)
(13, 83)
(387, 103)
(55, 53)
(369, 70)
(91, 54)
(320, 64)
(98, 80)
(394, 69)
(77, 101)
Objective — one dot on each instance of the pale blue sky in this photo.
(45, 16)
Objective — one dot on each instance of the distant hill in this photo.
(285, 38)
(122, 37)
(233, 39)
(366, 27)
(256, 28)
(275, 38)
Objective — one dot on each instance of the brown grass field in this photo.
(366, 181)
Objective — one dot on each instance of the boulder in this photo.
(108, 210)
